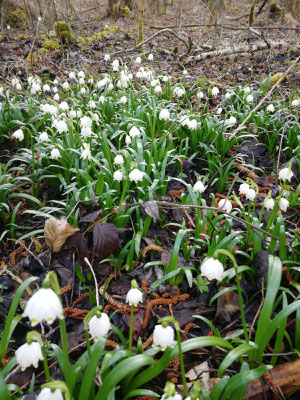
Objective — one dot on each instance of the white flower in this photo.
(15, 82)
(115, 65)
(228, 95)
(244, 188)
(123, 99)
(270, 108)
(61, 126)
(225, 204)
(47, 394)
(55, 82)
(72, 75)
(269, 203)
(55, 154)
(295, 103)
(176, 396)
(136, 175)
(91, 81)
(192, 124)
(134, 296)
(86, 152)
(184, 120)
(29, 354)
(64, 106)
(158, 89)
(91, 104)
(163, 337)
(66, 85)
(247, 90)
(46, 88)
(164, 114)
(44, 137)
(119, 159)
(99, 327)
(179, 92)
(285, 174)
(81, 74)
(102, 99)
(138, 60)
(249, 98)
(83, 90)
(19, 134)
(251, 194)
(81, 81)
(283, 204)
(86, 131)
(75, 113)
(150, 57)
(165, 78)
(215, 91)
(107, 57)
(43, 305)
(154, 82)
(200, 95)
(230, 121)
(127, 139)
(219, 110)
(184, 72)
(86, 121)
(118, 176)
(134, 131)
(199, 187)
(110, 86)
(212, 269)
(56, 97)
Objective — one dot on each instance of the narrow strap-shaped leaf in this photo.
(4, 392)
(233, 355)
(140, 392)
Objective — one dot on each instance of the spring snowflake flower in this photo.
(92, 104)
(165, 78)
(179, 92)
(164, 114)
(228, 95)
(43, 305)
(99, 327)
(134, 132)
(44, 137)
(18, 134)
(56, 97)
(107, 57)
(251, 194)
(163, 337)
(115, 65)
(72, 75)
(86, 121)
(176, 396)
(200, 95)
(64, 106)
(110, 86)
(15, 82)
(123, 99)
(75, 113)
(225, 205)
(244, 188)
(250, 98)
(119, 159)
(283, 204)
(61, 126)
(154, 82)
(215, 91)
(138, 60)
(184, 120)
(48, 394)
(212, 269)
(29, 354)
(295, 103)
(285, 174)
(83, 90)
(199, 187)
(86, 152)
(46, 88)
(230, 121)
(118, 176)
(102, 99)
(134, 296)
(136, 175)
(184, 72)
(247, 90)
(55, 154)
(66, 85)
(150, 57)
(192, 124)
(127, 139)
(270, 108)
(86, 132)
(81, 74)
(269, 203)
(158, 89)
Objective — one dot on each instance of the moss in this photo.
(125, 12)
(50, 45)
(15, 16)
(1, 37)
(275, 78)
(108, 30)
(275, 10)
(202, 83)
(63, 32)
(23, 36)
(85, 40)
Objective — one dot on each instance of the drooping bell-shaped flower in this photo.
(163, 336)
(225, 205)
(29, 354)
(99, 326)
(48, 394)
(212, 269)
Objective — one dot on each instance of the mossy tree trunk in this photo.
(292, 6)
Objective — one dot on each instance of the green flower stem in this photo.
(65, 350)
(87, 340)
(185, 388)
(231, 256)
(125, 188)
(45, 363)
(131, 328)
(36, 336)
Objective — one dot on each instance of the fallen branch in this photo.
(263, 100)
(231, 28)
(239, 49)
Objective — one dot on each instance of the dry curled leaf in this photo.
(56, 232)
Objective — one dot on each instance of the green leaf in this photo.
(233, 355)
(4, 392)
(140, 392)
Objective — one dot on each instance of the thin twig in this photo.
(95, 280)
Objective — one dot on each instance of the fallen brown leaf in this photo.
(56, 232)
